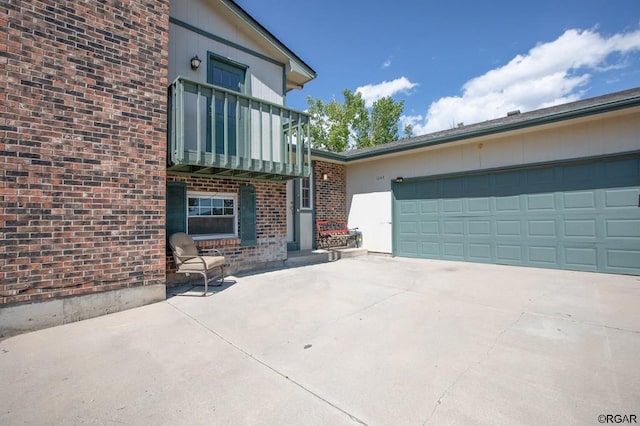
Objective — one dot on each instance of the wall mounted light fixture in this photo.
(399, 179)
(325, 177)
(195, 63)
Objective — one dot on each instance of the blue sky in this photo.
(459, 61)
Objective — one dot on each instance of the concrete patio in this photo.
(368, 340)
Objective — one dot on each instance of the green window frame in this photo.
(176, 209)
(306, 193)
(230, 75)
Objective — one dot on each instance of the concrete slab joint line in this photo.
(589, 323)
(470, 367)
(264, 364)
(372, 305)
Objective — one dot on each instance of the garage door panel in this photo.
(431, 249)
(481, 252)
(408, 228)
(479, 228)
(622, 228)
(622, 261)
(453, 228)
(509, 254)
(429, 207)
(542, 228)
(430, 227)
(542, 255)
(479, 205)
(507, 204)
(616, 198)
(508, 228)
(409, 248)
(583, 258)
(452, 206)
(408, 207)
(579, 228)
(581, 216)
(541, 202)
(453, 250)
(579, 200)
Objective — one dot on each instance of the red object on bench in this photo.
(336, 228)
(332, 227)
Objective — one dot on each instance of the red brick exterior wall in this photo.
(271, 226)
(82, 146)
(331, 194)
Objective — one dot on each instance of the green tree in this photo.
(335, 126)
(408, 130)
(385, 114)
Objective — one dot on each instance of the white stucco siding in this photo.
(371, 214)
(369, 181)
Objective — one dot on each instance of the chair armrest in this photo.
(210, 252)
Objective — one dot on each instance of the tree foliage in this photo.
(337, 126)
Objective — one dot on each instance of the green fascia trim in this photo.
(302, 67)
(580, 160)
(486, 131)
(284, 86)
(329, 155)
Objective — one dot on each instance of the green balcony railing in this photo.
(217, 131)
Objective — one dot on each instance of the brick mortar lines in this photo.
(271, 223)
(82, 147)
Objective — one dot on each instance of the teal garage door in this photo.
(581, 216)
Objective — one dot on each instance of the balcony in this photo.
(215, 131)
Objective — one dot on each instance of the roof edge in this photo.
(498, 128)
(237, 9)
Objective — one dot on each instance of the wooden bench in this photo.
(336, 231)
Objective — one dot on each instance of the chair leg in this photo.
(206, 278)
(206, 283)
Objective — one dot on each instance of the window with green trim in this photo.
(212, 215)
(230, 75)
(306, 193)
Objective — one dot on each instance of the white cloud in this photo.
(372, 92)
(549, 74)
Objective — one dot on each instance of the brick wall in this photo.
(330, 197)
(271, 226)
(82, 146)
(331, 194)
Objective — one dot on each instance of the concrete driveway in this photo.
(370, 340)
